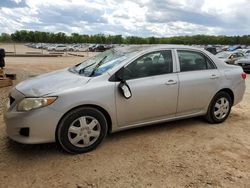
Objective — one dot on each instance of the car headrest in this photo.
(148, 61)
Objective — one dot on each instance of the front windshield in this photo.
(223, 55)
(100, 63)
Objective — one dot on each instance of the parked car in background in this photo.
(51, 47)
(74, 48)
(234, 47)
(99, 48)
(244, 63)
(84, 48)
(38, 45)
(92, 47)
(108, 46)
(230, 57)
(212, 50)
(119, 89)
(61, 48)
(246, 52)
(77, 48)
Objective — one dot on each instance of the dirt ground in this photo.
(187, 153)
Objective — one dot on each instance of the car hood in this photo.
(51, 83)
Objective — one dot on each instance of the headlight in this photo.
(33, 103)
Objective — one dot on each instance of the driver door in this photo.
(154, 89)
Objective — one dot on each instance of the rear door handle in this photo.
(171, 82)
(214, 76)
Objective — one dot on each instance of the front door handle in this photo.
(214, 76)
(171, 82)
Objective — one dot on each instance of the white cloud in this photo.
(16, 1)
(142, 17)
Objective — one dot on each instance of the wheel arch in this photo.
(102, 110)
(228, 91)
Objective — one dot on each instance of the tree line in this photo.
(48, 37)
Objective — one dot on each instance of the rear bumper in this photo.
(239, 91)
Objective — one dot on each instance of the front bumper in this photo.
(41, 124)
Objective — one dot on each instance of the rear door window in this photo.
(193, 61)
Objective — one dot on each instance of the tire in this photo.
(219, 108)
(81, 130)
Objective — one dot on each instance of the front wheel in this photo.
(81, 130)
(219, 108)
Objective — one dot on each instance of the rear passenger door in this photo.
(199, 80)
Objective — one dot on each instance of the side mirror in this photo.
(125, 89)
(123, 86)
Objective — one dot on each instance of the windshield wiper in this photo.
(98, 65)
(82, 70)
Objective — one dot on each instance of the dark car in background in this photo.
(244, 63)
(99, 47)
(212, 50)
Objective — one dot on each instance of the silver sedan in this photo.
(119, 89)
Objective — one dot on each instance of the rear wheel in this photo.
(219, 108)
(81, 130)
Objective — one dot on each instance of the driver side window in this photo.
(151, 64)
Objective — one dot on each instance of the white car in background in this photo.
(246, 52)
(230, 57)
(61, 48)
(51, 47)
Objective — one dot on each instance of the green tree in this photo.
(5, 37)
(46, 37)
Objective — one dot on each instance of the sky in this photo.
(160, 18)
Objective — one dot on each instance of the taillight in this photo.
(244, 75)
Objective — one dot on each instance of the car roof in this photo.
(244, 50)
(138, 48)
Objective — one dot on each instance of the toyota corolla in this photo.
(119, 89)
